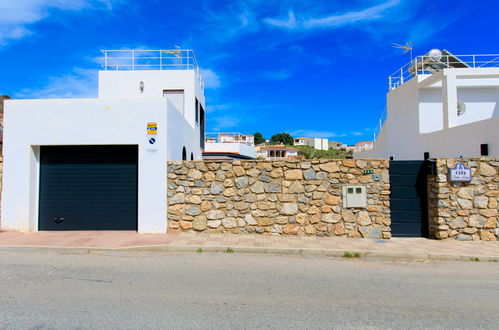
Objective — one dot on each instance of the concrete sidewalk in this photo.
(408, 248)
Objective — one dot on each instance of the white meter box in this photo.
(354, 196)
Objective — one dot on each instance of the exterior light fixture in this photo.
(141, 87)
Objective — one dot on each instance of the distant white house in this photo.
(220, 146)
(317, 143)
(440, 105)
(276, 152)
(334, 145)
(360, 146)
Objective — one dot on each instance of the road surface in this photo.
(139, 290)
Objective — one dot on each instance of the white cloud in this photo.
(224, 122)
(289, 23)
(315, 134)
(81, 83)
(211, 78)
(334, 20)
(18, 15)
(328, 134)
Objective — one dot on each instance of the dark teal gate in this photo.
(409, 198)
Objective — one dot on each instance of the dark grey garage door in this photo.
(408, 199)
(88, 188)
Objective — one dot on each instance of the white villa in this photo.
(317, 143)
(440, 105)
(98, 163)
(221, 146)
(276, 152)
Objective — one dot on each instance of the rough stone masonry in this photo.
(277, 197)
(465, 211)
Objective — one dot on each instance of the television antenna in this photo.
(407, 48)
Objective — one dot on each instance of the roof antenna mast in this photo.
(407, 48)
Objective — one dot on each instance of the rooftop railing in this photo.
(380, 124)
(146, 59)
(423, 65)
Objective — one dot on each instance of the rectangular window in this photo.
(201, 126)
(196, 110)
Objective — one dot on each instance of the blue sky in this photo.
(311, 68)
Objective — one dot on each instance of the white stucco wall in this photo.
(430, 110)
(238, 148)
(126, 84)
(33, 123)
(422, 116)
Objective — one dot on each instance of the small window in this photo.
(350, 190)
(192, 156)
(184, 154)
(196, 110)
(358, 190)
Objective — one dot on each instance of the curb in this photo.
(259, 250)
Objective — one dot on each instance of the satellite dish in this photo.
(435, 55)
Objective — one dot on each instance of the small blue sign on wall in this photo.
(152, 141)
(460, 173)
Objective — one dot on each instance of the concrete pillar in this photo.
(449, 99)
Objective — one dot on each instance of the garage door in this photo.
(88, 188)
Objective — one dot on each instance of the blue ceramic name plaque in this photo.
(460, 173)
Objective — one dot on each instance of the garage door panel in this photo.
(88, 188)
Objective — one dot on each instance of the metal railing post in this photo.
(401, 75)
(133, 60)
(105, 60)
(160, 60)
(474, 63)
(389, 83)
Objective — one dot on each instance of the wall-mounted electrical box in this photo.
(354, 196)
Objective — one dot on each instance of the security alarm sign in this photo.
(152, 128)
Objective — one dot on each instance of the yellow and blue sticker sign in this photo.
(152, 128)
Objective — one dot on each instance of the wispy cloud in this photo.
(19, 15)
(80, 83)
(211, 78)
(328, 134)
(334, 20)
(316, 134)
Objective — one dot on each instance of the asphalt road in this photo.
(109, 290)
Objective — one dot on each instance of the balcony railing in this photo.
(229, 138)
(423, 65)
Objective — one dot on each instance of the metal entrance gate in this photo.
(408, 199)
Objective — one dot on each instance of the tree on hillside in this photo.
(259, 138)
(282, 138)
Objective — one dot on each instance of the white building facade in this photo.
(156, 113)
(317, 143)
(222, 146)
(441, 105)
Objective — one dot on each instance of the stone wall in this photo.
(279, 197)
(465, 210)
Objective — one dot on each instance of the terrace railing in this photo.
(423, 65)
(146, 59)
